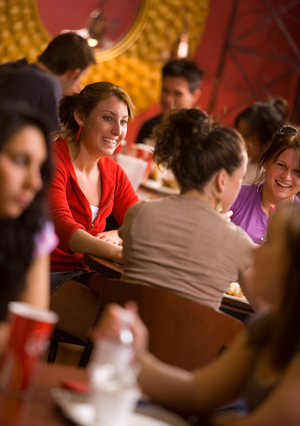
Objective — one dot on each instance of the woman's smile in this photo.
(283, 176)
(105, 127)
(110, 141)
(283, 185)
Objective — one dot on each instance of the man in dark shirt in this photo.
(181, 79)
(42, 84)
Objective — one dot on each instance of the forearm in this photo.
(37, 284)
(110, 237)
(82, 242)
(203, 390)
(245, 283)
(4, 334)
(170, 386)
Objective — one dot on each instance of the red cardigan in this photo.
(70, 209)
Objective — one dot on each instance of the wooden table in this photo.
(148, 194)
(234, 306)
(41, 409)
(103, 266)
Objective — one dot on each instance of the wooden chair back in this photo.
(182, 332)
(59, 336)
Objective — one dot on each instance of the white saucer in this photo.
(76, 407)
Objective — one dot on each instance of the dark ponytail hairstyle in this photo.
(195, 147)
(17, 235)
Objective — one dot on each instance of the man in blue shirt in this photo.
(42, 84)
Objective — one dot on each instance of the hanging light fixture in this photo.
(94, 30)
(181, 47)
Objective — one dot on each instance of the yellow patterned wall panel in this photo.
(137, 69)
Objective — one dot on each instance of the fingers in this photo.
(272, 211)
(131, 306)
(112, 320)
(109, 324)
(111, 237)
(107, 239)
(138, 328)
(227, 215)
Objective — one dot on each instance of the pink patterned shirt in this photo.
(45, 241)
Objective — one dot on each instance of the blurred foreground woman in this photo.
(27, 238)
(262, 365)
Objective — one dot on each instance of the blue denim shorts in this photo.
(57, 278)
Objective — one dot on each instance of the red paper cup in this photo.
(145, 152)
(30, 330)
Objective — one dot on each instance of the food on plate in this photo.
(235, 290)
(169, 183)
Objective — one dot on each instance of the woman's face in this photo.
(271, 263)
(253, 145)
(21, 159)
(105, 128)
(233, 184)
(283, 176)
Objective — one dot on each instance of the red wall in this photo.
(261, 55)
(210, 48)
(58, 15)
(248, 54)
(206, 57)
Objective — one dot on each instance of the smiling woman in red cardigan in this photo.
(87, 187)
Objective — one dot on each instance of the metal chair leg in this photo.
(52, 351)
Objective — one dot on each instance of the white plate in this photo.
(76, 407)
(236, 301)
(156, 186)
(144, 147)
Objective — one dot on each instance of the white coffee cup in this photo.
(113, 407)
(135, 168)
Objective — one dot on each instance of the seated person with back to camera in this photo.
(181, 242)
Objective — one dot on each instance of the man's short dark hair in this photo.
(184, 68)
(67, 52)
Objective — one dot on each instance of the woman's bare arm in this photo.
(246, 285)
(201, 391)
(37, 283)
(82, 242)
(198, 392)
